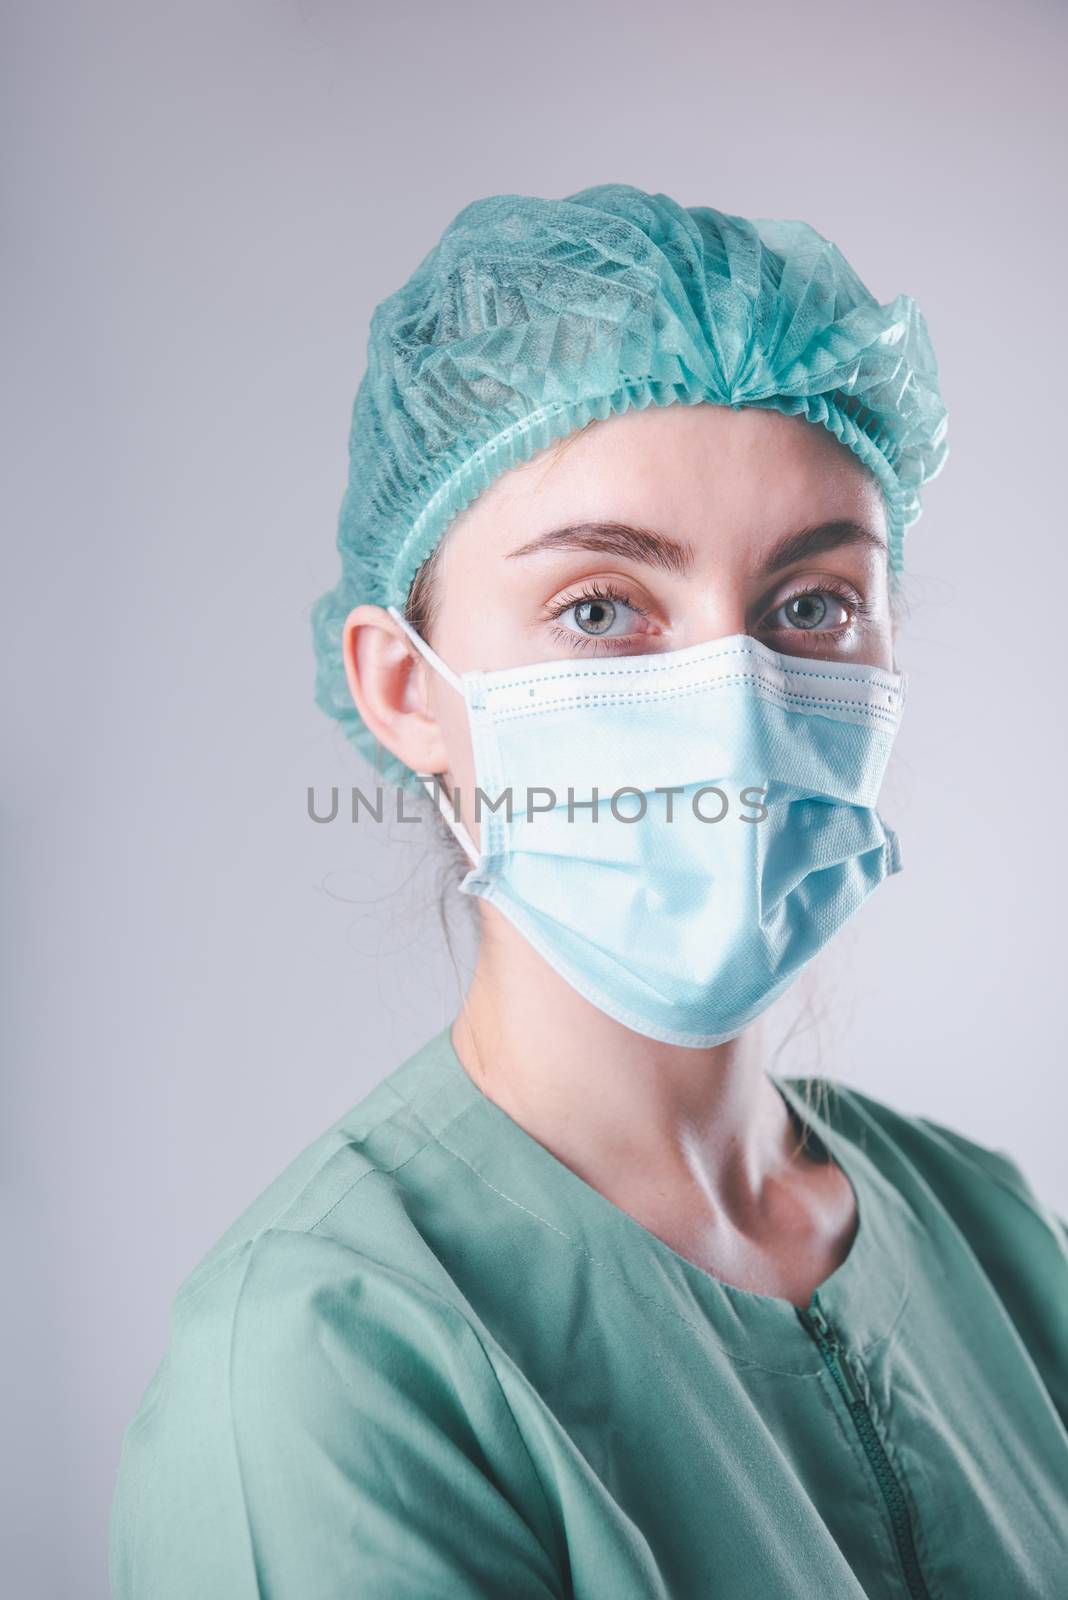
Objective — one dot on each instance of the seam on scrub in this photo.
(448, 1307)
(795, 699)
(349, 1144)
(741, 1361)
(148, 1474)
(869, 1125)
(1039, 1214)
(903, 1255)
(551, 1520)
(442, 1302)
(656, 665)
(233, 1428)
(963, 1242)
(906, 1290)
(184, 1296)
(401, 1104)
(382, 1172)
(222, 1266)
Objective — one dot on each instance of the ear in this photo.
(390, 685)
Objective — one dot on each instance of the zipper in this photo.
(830, 1347)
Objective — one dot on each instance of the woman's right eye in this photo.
(598, 614)
(599, 617)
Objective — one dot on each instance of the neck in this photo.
(625, 1112)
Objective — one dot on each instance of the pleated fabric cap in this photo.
(530, 317)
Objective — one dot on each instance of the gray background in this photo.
(204, 204)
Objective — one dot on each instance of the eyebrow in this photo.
(645, 546)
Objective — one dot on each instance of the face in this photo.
(647, 532)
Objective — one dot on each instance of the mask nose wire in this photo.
(455, 825)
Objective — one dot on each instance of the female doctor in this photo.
(583, 1300)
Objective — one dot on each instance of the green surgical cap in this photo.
(530, 317)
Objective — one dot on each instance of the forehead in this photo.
(695, 471)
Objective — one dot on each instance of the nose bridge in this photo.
(717, 605)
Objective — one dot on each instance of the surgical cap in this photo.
(531, 317)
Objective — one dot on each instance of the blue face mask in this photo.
(734, 830)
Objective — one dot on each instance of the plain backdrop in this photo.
(203, 205)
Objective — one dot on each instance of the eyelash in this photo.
(591, 591)
(844, 591)
(596, 591)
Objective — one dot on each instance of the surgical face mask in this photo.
(686, 829)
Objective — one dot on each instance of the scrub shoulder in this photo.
(966, 1174)
(323, 1407)
(1019, 1240)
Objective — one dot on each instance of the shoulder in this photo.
(319, 1412)
(363, 1185)
(289, 1321)
(325, 1283)
(325, 1404)
(961, 1170)
(981, 1195)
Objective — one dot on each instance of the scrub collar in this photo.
(863, 1298)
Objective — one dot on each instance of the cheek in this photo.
(451, 716)
(885, 658)
(877, 639)
(884, 624)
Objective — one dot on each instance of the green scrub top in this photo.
(430, 1362)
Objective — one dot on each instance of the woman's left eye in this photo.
(814, 610)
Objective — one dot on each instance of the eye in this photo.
(597, 616)
(597, 613)
(817, 610)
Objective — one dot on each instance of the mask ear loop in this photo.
(426, 652)
(456, 827)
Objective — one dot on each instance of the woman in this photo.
(583, 1300)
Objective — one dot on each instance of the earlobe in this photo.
(384, 679)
